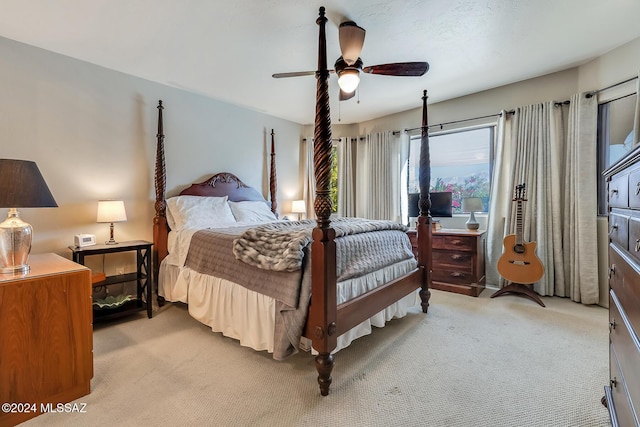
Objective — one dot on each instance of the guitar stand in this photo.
(518, 288)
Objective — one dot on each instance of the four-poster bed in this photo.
(328, 315)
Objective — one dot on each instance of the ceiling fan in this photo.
(349, 65)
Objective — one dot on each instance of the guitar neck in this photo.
(519, 231)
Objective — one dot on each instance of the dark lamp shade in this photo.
(22, 186)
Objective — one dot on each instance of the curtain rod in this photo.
(440, 125)
(395, 132)
(590, 94)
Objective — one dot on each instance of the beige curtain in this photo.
(346, 177)
(309, 190)
(378, 167)
(580, 203)
(500, 200)
(636, 117)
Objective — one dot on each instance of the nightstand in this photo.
(122, 304)
(457, 260)
(46, 337)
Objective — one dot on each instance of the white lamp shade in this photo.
(472, 204)
(111, 211)
(298, 206)
(349, 80)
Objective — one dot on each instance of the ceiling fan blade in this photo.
(293, 74)
(411, 69)
(345, 95)
(351, 38)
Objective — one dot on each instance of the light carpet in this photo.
(469, 362)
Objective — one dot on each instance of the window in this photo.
(615, 138)
(460, 163)
(334, 179)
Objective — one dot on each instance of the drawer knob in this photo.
(614, 191)
(456, 274)
(637, 188)
(614, 382)
(456, 242)
(612, 270)
(456, 257)
(637, 245)
(612, 325)
(614, 228)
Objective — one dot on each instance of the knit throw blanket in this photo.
(279, 245)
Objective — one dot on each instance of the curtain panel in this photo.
(378, 167)
(552, 149)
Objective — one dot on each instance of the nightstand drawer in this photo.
(454, 276)
(453, 259)
(461, 243)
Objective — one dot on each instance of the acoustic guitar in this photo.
(519, 262)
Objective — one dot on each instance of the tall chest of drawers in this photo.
(623, 392)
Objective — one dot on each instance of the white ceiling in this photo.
(228, 49)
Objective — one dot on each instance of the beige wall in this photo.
(92, 133)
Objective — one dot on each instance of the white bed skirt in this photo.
(249, 317)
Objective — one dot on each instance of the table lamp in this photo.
(471, 205)
(111, 211)
(21, 186)
(297, 206)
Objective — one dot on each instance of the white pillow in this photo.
(198, 212)
(252, 212)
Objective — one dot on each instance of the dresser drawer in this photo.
(460, 243)
(634, 237)
(626, 349)
(453, 259)
(619, 230)
(620, 407)
(619, 191)
(634, 189)
(624, 281)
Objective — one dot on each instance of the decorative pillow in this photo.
(252, 212)
(198, 212)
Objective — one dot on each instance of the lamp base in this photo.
(472, 224)
(111, 240)
(15, 244)
(17, 269)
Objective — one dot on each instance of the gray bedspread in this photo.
(359, 250)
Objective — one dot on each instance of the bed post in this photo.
(273, 181)
(424, 219)
(321, 324)
(160, 220)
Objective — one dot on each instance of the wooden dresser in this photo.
(46, 337)
(457, 260)
(623, 392)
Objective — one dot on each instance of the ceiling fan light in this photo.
(349, 80)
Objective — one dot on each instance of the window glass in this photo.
(460, 163)
(334, 179)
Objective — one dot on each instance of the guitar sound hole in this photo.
(519, 249)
